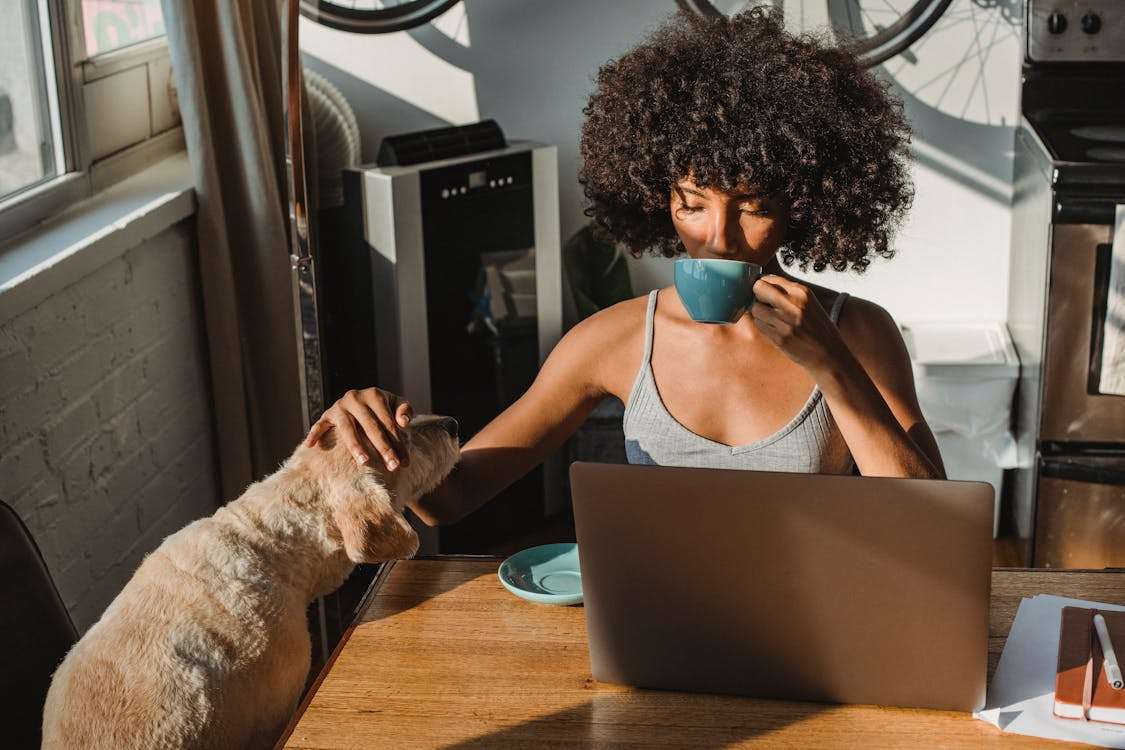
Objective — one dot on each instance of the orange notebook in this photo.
(1082, 690)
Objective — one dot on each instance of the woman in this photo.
(719, 139)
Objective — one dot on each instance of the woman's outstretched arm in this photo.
(569, 385)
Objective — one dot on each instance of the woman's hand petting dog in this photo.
(380, 417)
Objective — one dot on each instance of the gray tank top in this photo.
(810, 443)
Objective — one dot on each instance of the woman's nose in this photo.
(726, 236)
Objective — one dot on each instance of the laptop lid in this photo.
(796, 586)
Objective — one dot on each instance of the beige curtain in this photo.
(227, 60)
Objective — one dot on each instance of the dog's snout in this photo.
(449, 424)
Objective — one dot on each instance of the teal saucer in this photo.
(547, 574)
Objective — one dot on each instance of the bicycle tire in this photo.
(375, 21)
(874, 49)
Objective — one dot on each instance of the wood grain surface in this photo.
(444, 657)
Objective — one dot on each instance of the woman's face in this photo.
(740, 225)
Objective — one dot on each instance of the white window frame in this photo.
(81, 175)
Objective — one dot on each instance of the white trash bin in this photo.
(966, 376)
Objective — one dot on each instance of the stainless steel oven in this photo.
(1073, 408)
(1081, 515)
(1069, 489)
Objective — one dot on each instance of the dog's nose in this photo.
(449, 424)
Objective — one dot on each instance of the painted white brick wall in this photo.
(106, 436)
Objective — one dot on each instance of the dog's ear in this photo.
(370, 527)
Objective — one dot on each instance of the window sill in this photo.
(50, 257)
(131, 56)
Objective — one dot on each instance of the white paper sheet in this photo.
(1021, 697)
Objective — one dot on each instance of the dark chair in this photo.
(35, 632)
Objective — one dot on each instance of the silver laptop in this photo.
(794, 586)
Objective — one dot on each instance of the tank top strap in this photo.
(641, 383)
(837, 304)
(650, 315)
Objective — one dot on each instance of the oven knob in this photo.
(1056, 23)
(1091, 23)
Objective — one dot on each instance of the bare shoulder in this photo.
(862, 320)
(607, 346)
(870, 332)
(874, 338)
(608, 329)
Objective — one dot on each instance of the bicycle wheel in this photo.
(374, 16)
(876, 29)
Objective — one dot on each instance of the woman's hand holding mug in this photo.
(791, 317)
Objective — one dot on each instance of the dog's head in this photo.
(364, 503)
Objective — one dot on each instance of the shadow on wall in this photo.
(530, 64)
(960, 88)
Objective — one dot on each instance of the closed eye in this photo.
(752, 212)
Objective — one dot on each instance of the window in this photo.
(86, 99)
(113, 24)
(30, 144)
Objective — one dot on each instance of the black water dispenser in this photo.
(446, 289)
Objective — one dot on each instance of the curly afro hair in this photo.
(739, 101)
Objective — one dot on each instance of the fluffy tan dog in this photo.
(207, 645)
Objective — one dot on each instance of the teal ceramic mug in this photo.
(714, 290)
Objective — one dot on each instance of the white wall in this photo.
(530, 64)
(106, 437)
(960, 84)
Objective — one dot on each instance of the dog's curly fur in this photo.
(739, 101)
(207, 645)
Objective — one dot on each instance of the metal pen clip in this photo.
(1112, 668)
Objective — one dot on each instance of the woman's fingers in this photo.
(322, 426)
(763, 312)
(346, 431)
(377, 406)
(775, 316)
(768, 318)
(786, 285)
(385, 408)
(377, 435)
(768, 286)
(768, 331)
(789, 300)
(770, 293)
(368, 419)
(382, 405)
(404, 413)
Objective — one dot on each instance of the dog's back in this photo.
(177, 662)
(207, 646)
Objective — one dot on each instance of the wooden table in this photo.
(442, 656)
